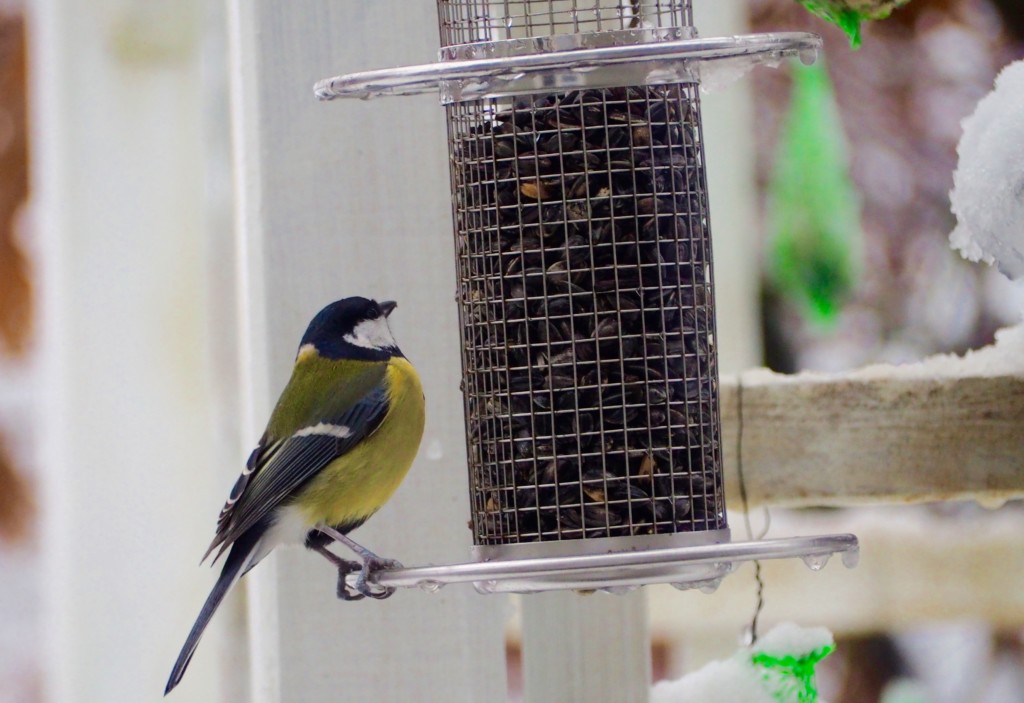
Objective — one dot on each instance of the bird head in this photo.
(352, 328)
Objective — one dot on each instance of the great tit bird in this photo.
(340, 439)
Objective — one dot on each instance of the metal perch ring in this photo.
(684, 567)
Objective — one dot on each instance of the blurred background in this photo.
(943, 628)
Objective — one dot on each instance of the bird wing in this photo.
(329, 427)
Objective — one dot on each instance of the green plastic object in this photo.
(791, 677)
(777, 668)
(848, 14)
(814, 213)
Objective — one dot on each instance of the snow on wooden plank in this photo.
(947, 428)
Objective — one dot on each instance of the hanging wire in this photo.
(746, 511)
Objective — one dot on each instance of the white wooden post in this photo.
(586, 648)
(124, 429)
(352, 199)
(729, 152)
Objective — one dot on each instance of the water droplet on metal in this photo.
(704, 586)
(619, 590)
(486, 587)
(430, 586)
(851, 558)
(816, 562)
(709, 586)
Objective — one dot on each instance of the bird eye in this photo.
(373, 313)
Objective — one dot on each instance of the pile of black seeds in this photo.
(584, 269)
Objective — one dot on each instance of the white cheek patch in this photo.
(371, 334)
(339, 431)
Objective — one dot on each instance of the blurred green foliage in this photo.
(815, 230)
(848, 14)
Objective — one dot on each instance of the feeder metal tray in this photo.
(701, 566)
(557, 69)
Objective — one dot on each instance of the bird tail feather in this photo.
(235, 566)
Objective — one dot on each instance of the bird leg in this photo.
(344, 569)
(371, 563)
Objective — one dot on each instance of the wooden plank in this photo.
(943, 429)
(343, 199)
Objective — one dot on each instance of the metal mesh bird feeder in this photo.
(585, 289)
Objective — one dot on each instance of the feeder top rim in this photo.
(550, 43)
(654, 63)
(683, 567)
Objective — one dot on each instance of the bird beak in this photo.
(388, 306)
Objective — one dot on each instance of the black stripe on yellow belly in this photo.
(354, 486)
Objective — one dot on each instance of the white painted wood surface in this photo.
(593, 647)
(128, 452)
(729, 150)
(342, 199)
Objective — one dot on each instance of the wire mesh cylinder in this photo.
(586, 300)
(472, 21)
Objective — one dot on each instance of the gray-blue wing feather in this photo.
(278, 471)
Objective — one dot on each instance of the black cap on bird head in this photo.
(353, 328)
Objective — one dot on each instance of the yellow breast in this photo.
(356, 485)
